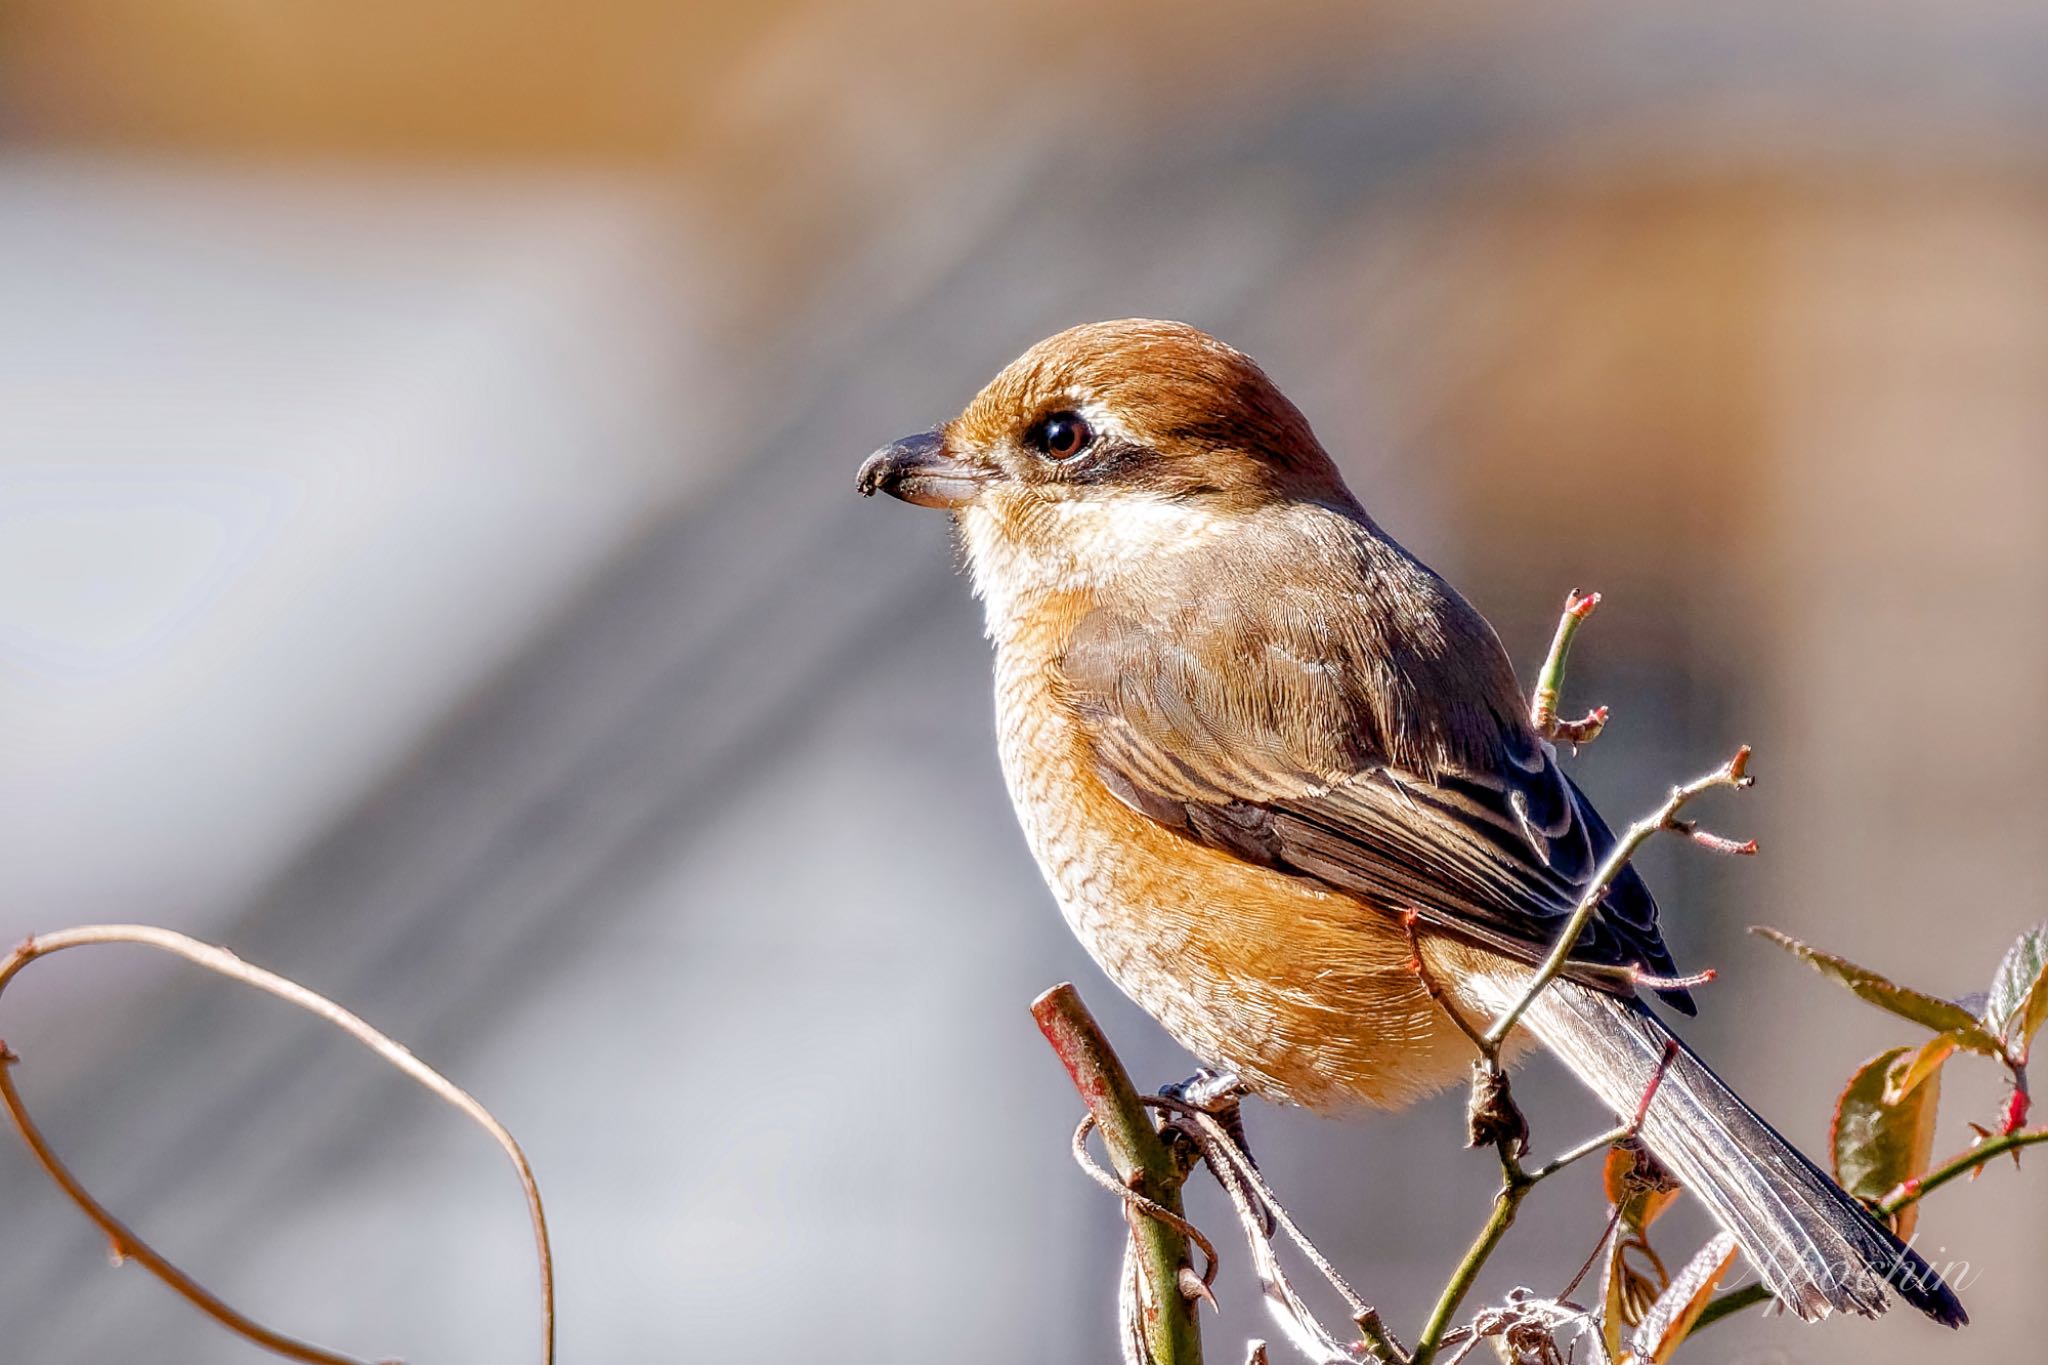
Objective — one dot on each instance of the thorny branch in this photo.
(1965, 1163)
(128, 1246)
(1162, 1292)
(1159, 1233)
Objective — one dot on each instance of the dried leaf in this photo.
(1929, 1011)
(1526, 1328)
(1917, 1066)
(1635, 1279)
(1637, 1184)
(1640, 1189)
(1878, 1146)
(1491, 1115)
(2018, 1003)
(1614, 1299)
(1682, 1302)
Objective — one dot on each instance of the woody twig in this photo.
(1162, 1293)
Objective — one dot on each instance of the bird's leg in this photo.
(1219, 1094)
(1209, 1090)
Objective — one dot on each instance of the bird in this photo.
(1266, 760)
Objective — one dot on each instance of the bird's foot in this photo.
(1213, 1092)
(1219, 1094)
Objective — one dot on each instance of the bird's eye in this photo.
(1062, 435)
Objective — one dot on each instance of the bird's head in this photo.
(1105, 444)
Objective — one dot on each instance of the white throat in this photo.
(1073, 545)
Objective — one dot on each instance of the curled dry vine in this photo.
(127, 1245)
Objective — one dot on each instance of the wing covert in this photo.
(1264, 729)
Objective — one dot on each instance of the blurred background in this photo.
(429, 565)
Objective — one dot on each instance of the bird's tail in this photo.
(1817, 1248)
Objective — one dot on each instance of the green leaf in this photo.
(1878, 1146)
(2018, 1003)
(1929, 1011)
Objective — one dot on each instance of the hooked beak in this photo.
(918, 469)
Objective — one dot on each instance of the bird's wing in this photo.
(1253, 726)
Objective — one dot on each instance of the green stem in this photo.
(1514, 1189)
(1380, 1340)
(1550, 679)
(1172, 1332)
(1515, 1184)
(1913, 1191)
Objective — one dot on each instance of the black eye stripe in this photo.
(1109, 460)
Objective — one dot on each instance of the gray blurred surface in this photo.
(569, 717)
(292, 461)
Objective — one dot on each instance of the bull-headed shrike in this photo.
(1246, 733)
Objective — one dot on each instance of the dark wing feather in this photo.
(1290, 763)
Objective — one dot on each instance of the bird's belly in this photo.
(1308, 995)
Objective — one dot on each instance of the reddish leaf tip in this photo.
(1738, 767)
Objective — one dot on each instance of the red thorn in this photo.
(1581, 604)
(2015, 1116)
(1983, 1135)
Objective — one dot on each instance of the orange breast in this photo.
(1307, 994)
